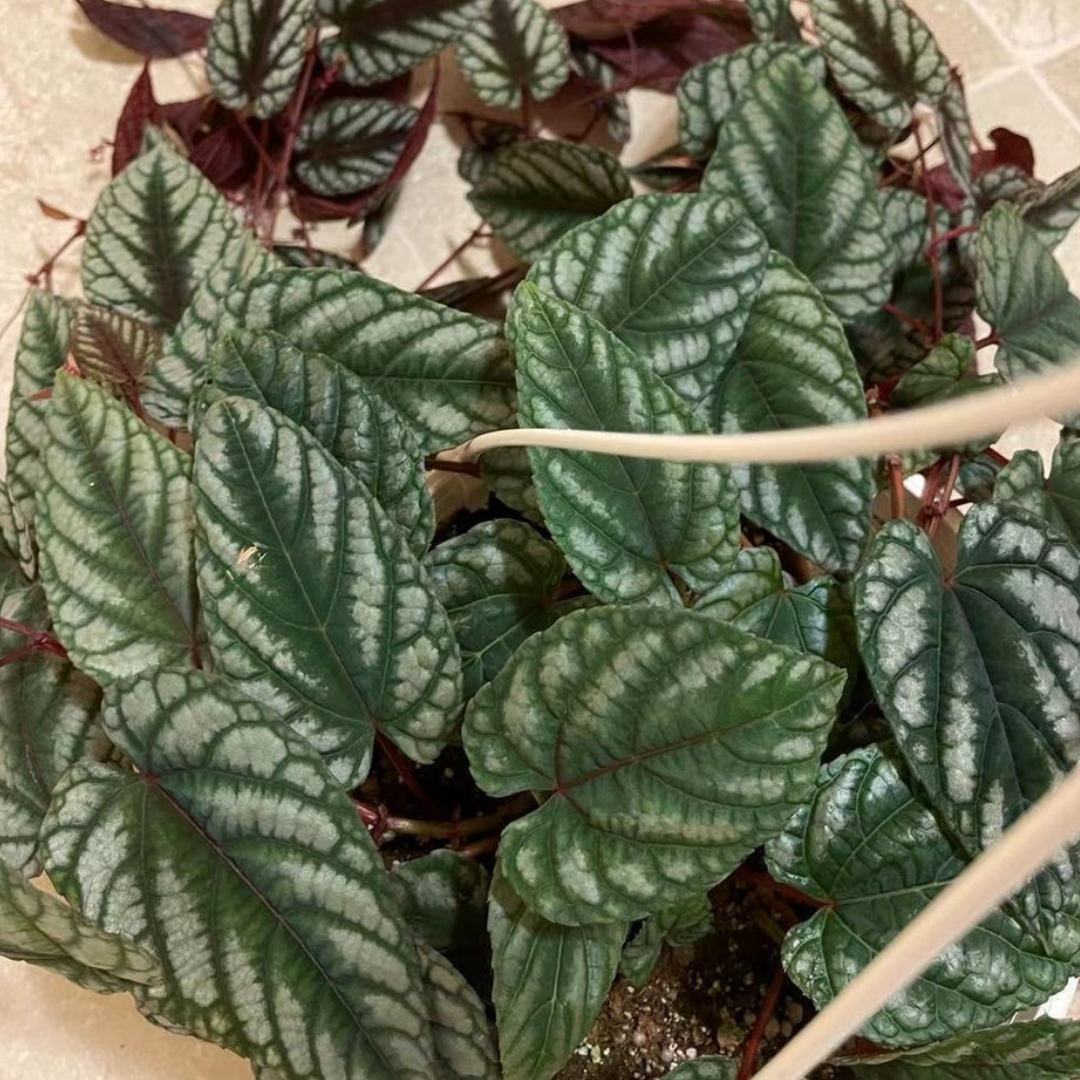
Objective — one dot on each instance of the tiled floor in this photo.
(61, 90)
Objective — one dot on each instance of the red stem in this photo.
(943, 496)
(904, 317)
(47, 267)
(934, 250)
(292, 129)
(897, 492)
(403, 767)
(768, 1010)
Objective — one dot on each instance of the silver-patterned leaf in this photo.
(1024, 295)
(1043, 1049)
(234, 856)
(673, 276)
(514, 47)
(173, 380)
(957, 131)
(876, 855)
(614, 106)
(114, 349)
(18, 556)
(256, 53)
(1054, 498)
(533, 192)
(1054, 209)
(447, 373)
(41, 352)
(628, 527)
(114, 527)
(156, 232)
(445, 899)
(498, 583)
(312, 596)
(42, 930)
(351, 144)
(706, 1068)
(351, 421)
(883, 56)
(708, 91)
(677, 927)
(793, 368)
(550, 982)
(47, 707)
(758, 597)
(669, 746)
(978, 674)
(822, 210)
(773, 20)
(378, 40)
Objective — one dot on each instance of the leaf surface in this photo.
(625, 525)
(114, 349)
(359, 429)
(772, 19)
(1054, 209)
(670, 748)
(350, 144)
(883, 56)
(313, 598)
(1055, 498)
(876, 854)
(114, 521)
(151, 31)
(256, 53)
(514, 47)
(550, 982)
(237, 859)
(533, 192)
(793, 368)
(788, 157)
(678, 927)
(978, 674)
(445, 372)
(674, 277)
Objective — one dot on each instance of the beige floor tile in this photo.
(965, 38)
(1033, 25)
(1063, 74)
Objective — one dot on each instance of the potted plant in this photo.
(593, 766)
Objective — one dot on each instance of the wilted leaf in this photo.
(793, 368)
(674, 277)
(632, 529)
(668, 750)
(901, 862)
(114, 526)
(821, 210)
(535, 191)
(234, 855)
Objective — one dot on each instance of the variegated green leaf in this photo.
(114, 349)
(1054, 498)
(1007, 183)
(708, 91)
(613, 106)
(533, 192)
(312, 596)
(550, 982)
(706, 1068)
(957, 131)
(18, 556)
(499, 584)
(772, 20)
(514, 47)
(41, 352)
(1054, 209)
(44, 931)
(445, 899)
(172, 381)
(353, 423)
(628, 527)
(978, 673)
(868, 847)
(46, 708)
(235, 857)
(1024, 296)
(820, 208)
(445, 372)
(758, 597)
(1043, 1049)
(155, 234)
(256, 53)
(677, 927)
(114, 527)
(352, 144)
(673, 276)
(883, 56)
(378, 40)
(463, 1040)
(669, 748)
(793, 368)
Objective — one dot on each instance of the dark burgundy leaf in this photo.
(308, 206)
(155, 33)
(55, 212)
(226, 157)
(475, 295)
(189, 119)
(940, 185)
(1012, 149)
(396, 90)
(595, 20)
(139, 110)
(658, 53)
